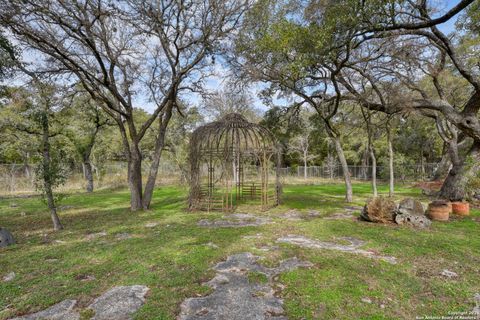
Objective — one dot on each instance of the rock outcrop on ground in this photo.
(236, 296)
(118, 303)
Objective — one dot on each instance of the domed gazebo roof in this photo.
(231, 133)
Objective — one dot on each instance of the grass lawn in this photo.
(174, 258)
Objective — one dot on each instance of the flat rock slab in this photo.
(297, 215)
(353, 247)
(118, 303)
(341, 216)
(353, 209)
(291, 215)
(93, 236)
(237, 298)
(235, 220)
(60, 311)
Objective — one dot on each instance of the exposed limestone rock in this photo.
(410, 206)
(123, 236)
(235, 220)
(93, 236)
(379, 209)
(151, 224)
(352, 248)
(60, 311)
(119, 303)
(292, 215)
(340, 216)
(235, 297)
(413, 220)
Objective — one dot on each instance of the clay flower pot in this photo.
(461, 208)
(439, 210)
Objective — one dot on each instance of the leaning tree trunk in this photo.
(374, 172)
(454, 186)
(444, 164)
(47, 174)
(159, 144)
(346, 172)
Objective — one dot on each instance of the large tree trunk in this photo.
(346, 173)
(135, 178)
(159, 144)
(87, 167)
(454, 186)
(47, 174)
(374, 172)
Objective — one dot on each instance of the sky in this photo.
(218, 82)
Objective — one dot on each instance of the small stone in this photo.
(123, 236)
(449, 274)
(476, 309)
(6, 238)
(151, 225)
(93, 236)
(212, 245)
(382, 306)
(9, 277)
(366, 300)
(23, 214)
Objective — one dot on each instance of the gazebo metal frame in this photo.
(231, 162)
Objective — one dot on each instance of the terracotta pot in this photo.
(461, 208)
(439, 210)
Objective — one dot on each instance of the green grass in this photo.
(174, 258)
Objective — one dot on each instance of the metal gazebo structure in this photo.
(232, 162)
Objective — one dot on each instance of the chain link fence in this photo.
(402, 173)
(18, 179)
